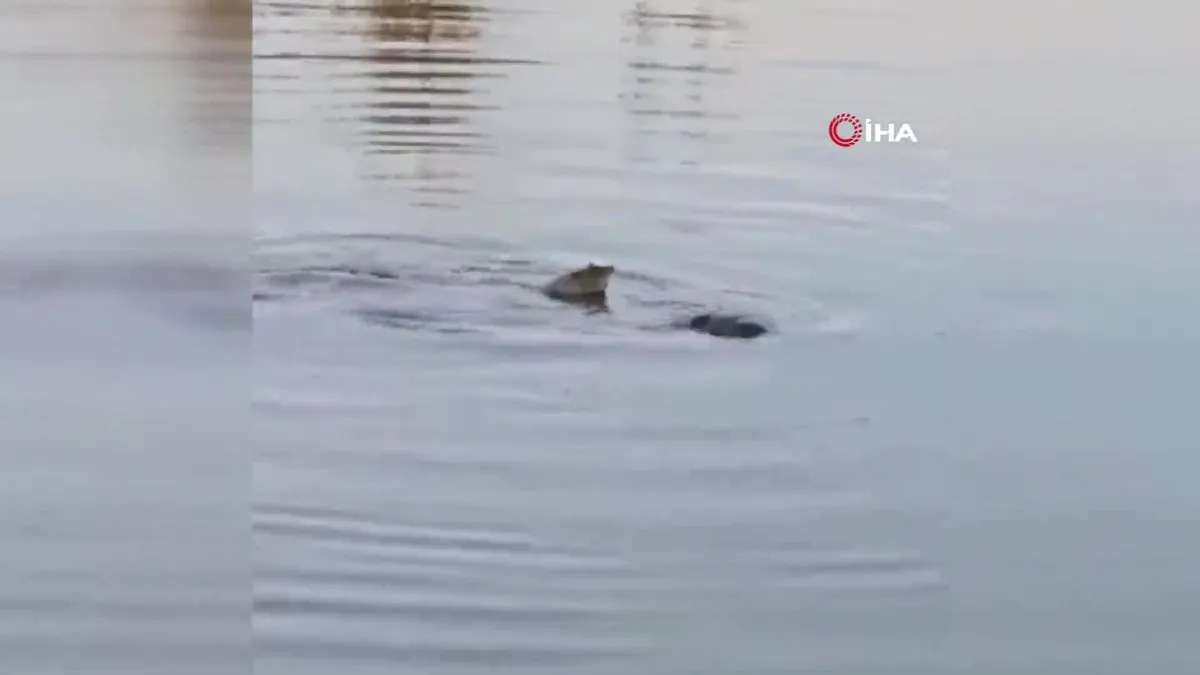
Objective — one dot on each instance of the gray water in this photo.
(963, 449)
(125, 360)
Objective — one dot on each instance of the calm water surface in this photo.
(965, 448)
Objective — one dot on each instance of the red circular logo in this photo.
(845, 141)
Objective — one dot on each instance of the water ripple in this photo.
(409, 74)
(454, 593)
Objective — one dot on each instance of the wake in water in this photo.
(442, 286)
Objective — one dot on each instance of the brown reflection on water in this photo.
(219, 34)
(139, 92)
(417, 125)
(680, 55)
(399, 82)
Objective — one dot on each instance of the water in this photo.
(124, 345)
(964, 449)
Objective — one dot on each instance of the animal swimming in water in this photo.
(588, 286)
(727, 325)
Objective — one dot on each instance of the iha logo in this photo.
(865, 131)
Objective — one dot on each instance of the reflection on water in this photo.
(681, 97)
(419, 120)
(218, 33)
(408, 83)
(148, 98)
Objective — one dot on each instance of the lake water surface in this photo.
(964, 449)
